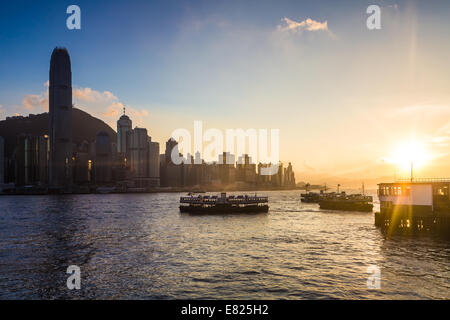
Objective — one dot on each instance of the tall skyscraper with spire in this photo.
(60, 115)
(124, 127)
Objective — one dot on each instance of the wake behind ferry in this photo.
(223, 204)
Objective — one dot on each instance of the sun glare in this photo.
(410, 152)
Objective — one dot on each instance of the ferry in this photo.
(414, 206)
(345, 202)
(315, 197)
(224, 204)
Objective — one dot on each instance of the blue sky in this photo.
(232, 64)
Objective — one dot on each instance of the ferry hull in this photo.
(225, 209)
(413, 220)
(346, 206)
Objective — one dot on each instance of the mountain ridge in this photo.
(84, 127)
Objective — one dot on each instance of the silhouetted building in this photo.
(289, 177)
(103, 161)
(31, 160)
(124, 128)
(81, 174)
(2, 160)
(227, 168)
(139, 152)
(60, 114)
(172, 175)
(153, 163)
(246, 170)
(171, 144)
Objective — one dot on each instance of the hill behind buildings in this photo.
(84, 127)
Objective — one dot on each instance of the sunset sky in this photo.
(347, 100)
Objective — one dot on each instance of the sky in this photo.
(346, 99)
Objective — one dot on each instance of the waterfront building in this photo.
(289, 176)
(2, 160)
(170, 145)
(139, 152)
(60, 115)
(31, 160)
(81, 164)
(124, 128)
(414, 206)
(153, 163)
(103, 161)
(227, 168)
(171, 174)
(246, 170)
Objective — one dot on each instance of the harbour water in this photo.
(139, 246)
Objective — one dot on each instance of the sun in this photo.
(410, 152)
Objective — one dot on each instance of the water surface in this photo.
(138, 246)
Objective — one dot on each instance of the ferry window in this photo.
(406, 191)
(397, 191)
(443, 191)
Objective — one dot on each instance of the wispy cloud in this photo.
(106, 106)
(289, 25)
(101, 104)
(35, 102)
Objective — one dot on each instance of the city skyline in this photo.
(50, 157)
(270, 74)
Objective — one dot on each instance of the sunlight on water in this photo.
(140, 246)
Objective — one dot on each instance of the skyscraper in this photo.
(102, 158)
(139, 152)
(60, 114)
(124, 126)
(2, 160)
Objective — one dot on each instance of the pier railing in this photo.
(423, 180)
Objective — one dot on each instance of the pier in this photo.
(414, 207)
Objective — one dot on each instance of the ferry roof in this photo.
(417, 181)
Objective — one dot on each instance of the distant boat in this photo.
(344, 202)
(314, 197)
(223, 204)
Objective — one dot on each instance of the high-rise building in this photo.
(153, 163)
(246, 170)
(227, 168)
(31, 159)
(171, 144)
(289, 176)
(60, 114)
(2, 160)
(103, 161)
(81, 164)
(124, 127)
(139, 152)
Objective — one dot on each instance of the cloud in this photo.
(289, 25)
(36, 102)
(100, 104)
(106, 106)
(89, 95)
